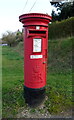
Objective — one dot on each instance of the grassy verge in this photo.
(0, 81)
(59, 79)
(12, 80)
(59, 92)
(60, 55)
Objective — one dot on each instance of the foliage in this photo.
(62, 29)
(11, 38)
(66, 10)
(19, 36)
(60, 55)
(58, 6)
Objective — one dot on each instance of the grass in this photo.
(59, 79)
(59, 92)
(12, 80)
(0, 81)
(60, 55)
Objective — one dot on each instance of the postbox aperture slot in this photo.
(37, 32)
(37, 45)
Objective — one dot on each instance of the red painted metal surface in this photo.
(35, 63)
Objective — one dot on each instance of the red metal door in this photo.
(36, 61)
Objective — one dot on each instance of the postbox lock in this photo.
(44, 62)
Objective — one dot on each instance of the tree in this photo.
(11, 38)
(19, 36)
(66, 10)
(54, 16)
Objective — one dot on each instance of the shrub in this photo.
(62, 29)
(11, 38)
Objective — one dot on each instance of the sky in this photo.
(10, 10)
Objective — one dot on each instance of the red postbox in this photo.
(35, 55)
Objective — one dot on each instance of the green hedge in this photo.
(62, 29)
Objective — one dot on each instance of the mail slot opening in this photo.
(36, 32)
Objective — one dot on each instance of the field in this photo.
(0, 81)
(59, 79)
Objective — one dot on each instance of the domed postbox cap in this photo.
(35, 19)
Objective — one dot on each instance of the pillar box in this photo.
(35, 55)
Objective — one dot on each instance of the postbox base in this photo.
(34, 97)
